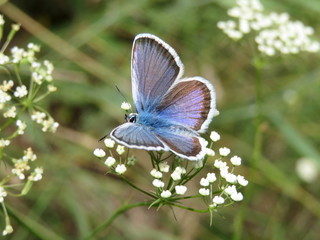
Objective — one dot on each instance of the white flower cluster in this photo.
(275, 33)
(110, 161)
(176, 175)
(228, 181)
(21, 166)
(47, 122)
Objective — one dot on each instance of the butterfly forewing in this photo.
(190, 102)
(154, 68)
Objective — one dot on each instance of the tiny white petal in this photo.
(120, 169)
(155, 173)
(224, 151)
(211, 177)
(236, 161)
(166, 194)
(109, 143)
(180, 189)
(236, 196)
(218, 200)
(204, 182)
(164, 167)
(214, 136)
(110, 161)
(99, 153)
(204, 191)
(158, 183)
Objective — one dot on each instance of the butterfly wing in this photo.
(154, 68)
(190, 102)
(183, 143)
(134, 135)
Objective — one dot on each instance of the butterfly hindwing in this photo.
(135, 135)
(154, 68)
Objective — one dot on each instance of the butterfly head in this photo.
(132, 117)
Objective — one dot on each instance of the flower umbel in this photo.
(275, 33)
(20, 96)
(218, 187)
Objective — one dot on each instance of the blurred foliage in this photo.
(89, 43)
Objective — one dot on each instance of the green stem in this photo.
(189, 209)
(137, 188)
(107, 223)
(257, 149)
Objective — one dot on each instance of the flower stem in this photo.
(137, 188)
(257, 148)
(114, 216)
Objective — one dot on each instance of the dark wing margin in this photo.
(190, 102)
(154, 68)
(134, 135)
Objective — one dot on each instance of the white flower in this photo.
(166, 194)
(21, 91)
(214, 136)
(109, 143)
(181, 170)
(50, 125)
(4, 59)
(158, 183)
(7, 230)
(110, 161)
(6, 85)
(126, 106)
(218, 200)
(230, 189)
(121, 169)
(231, 178)
(210, 152)
(307, 169)
(29, 155)
(4, 97)
(220, 164)
(236, 161)
(204, 182)
(36, 175)
(52, 88)
(275, 33)
(164, 167)
(180, 189)
(211, 177)
(120, 149)
(176, 176)
(1, 20)
(3, 193)
(21, 126)
(38, 116)
(155, 173)
(198, 164)
(242, 181)
(4, 142)
(204, 191)
(99, 153)
(224, 151)
(236, 196)
(10, 113)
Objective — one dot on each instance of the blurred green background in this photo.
(89, 43)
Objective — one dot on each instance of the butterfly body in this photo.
(171, 111)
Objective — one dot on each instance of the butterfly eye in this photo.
(131, 118)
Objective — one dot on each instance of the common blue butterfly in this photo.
(171, 111)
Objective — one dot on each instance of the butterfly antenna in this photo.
(121, 93)
(103, 137)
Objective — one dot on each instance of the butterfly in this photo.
(171, 111)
